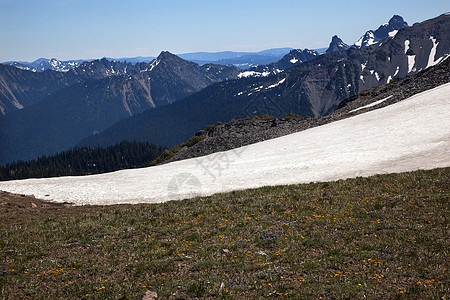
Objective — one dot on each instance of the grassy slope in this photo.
(381, 237)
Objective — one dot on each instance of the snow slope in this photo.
(409, 135)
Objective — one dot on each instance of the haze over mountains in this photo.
(240, 60)
(167, 100)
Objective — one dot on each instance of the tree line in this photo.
(84, 161)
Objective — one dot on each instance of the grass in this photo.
(383, 237)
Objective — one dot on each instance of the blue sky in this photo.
(70, 29)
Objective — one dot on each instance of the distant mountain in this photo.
(389, 29)
(66, 116)
(294, 57)
(312, 88)
(133, 60)
(22, 88)
(44, 64)
(337, 45)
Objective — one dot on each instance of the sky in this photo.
(81, 29)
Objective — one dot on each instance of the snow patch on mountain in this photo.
(407, 42)
(411, 63)
(371, 104)
(276, 84)
(253, 74)
(392, 33)
(431, 58)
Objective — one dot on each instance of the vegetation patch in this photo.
(382, 237)
(169, 153)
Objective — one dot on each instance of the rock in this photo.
(33, 205)
(149, 295)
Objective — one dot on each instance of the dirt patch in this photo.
(23, 209)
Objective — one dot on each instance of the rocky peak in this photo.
(337, 45)
(389, 29)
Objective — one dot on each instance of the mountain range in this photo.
(240, 60)
(87, 107)
(313, 88)
(166, 101)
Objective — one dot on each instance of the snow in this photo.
(362, 78)
(393, 33)
(276, 84)
(363, 66)
(431, 61)
(247, 74)
(389, 79)
(406, 46)
(431, 58)
(411, 63)
(253, 74)
(409, 135)
(294, 60)
(371, 104)
(152, 65)
(377, 76)
(396, 71)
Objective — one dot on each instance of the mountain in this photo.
(241, 60)
(133, 60)
(22, 88)
(44, 64)
(389, 29)
(242, 132)
(66, 116)
(313, 88)
(337, 45)
(294, 57)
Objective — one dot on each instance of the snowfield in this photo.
(409, 135)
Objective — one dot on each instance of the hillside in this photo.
(382, 237)
(407, 135)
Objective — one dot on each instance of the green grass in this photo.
(383, 237)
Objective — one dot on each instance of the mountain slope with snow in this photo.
(409, 135)
(389, 29)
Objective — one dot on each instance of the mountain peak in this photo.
(389, 29)
(397, 21)
(337, 45)
(167, 55)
